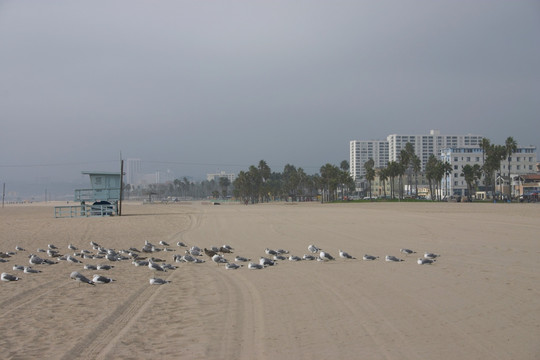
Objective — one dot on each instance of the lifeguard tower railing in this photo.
(97, 194)
(84, 210)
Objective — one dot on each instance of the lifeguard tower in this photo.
(102, 199)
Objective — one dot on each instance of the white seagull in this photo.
(158, 281)
(407, 251)
(232, 266)
(429, 255)
(325, 256)
(345, 255)
(153, 266)
(218, 259)
(313, 249)
(423, 261)
(254, 266)
(369, 257)
(266, 261)
(8, 277)
(29, 270)
(80, 278)
(241, 259)
(392, 258)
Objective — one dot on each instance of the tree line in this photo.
(260, 184)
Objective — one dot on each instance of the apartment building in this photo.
(429, 144)
(361, 151)
(522, 162)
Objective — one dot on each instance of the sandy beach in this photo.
(479, 300)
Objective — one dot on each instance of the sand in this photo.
(480, 300)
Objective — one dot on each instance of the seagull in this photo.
(392, 258)
(369, 257)
(18, 268)
(153, 266)
(73, 260)
(80, 278)
(227, 247)
(279, 257)
(232, 266)
(407, 251)
(270, 251)
(266, 261)
(308, 257)
(8, 277)
(35, 260)
(423, 261)
(281, 251)
(100, 279)
(29, 270)
(325, 256)
(52, 247)
(104, 267)
(345, 255)
(181, 244)
(90, 267)
(241, 259)
(72, 247)
(164, 243)
(225, 250)
(254, 266)
(140, 263)
(210, 253)
(94, 244)
(218, 259)
(313, 249)
(429, 255)
(294, 258)
(195, 251)
(158, 281)
(18, 248)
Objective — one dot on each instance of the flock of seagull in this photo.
(146, 256)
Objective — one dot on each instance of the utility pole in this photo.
(121, 185)
(3, 194)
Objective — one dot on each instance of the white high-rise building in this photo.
(361, 151)
(432, 144)
(221, 174)
(133, 171)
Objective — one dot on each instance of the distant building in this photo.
(363, 150)
(133, 171)
(432, 144)
(383, 152)
(522, 162)
(216, 177)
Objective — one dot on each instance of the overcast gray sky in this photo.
(202, 86)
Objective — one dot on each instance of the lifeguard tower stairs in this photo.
(101, 200)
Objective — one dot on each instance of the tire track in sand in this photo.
(102, 339)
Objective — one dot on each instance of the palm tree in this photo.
(370, 173)
(383, 176)
(471, 175)
(511, 147)
(224, 183)
(447, 169)
(417, 166)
